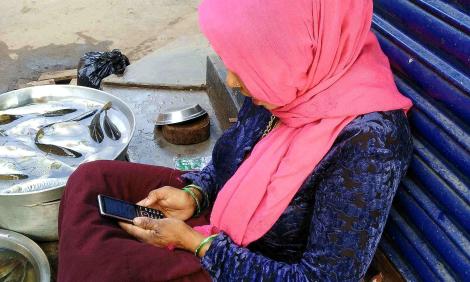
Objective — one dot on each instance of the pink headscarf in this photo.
(320, 63)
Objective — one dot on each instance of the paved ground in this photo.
(42, 35)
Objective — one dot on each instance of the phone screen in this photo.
(123, 210)
(118, 208)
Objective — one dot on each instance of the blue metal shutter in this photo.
(427, 236)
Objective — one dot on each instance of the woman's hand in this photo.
(173, 202)
(164, 232)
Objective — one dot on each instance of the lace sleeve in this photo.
(352, 203)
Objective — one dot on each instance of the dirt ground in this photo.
(43, 35)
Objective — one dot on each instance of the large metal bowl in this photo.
(35, 214)
(30, 250)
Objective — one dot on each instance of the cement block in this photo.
(178, 65)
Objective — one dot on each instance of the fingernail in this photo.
(137, 221)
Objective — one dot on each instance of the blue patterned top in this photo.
(331, 229)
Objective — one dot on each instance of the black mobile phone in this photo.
(125, 211)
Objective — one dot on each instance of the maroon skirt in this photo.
(94, 248)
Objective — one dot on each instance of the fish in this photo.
(96, 132)
(45, 175)
(8, 118)
(13, 176)
(63, 131)
(30, 274)
(8, 171)
(18, 274)
(58, 113)
(34, 109)
(7, 265)
(74, 119)
(110, 128)
(35, 185)
(26, 128)
(62, 124)
(14, 148)
(58, 150)
(5, 119)
(16, 159)
(9, 260)
(83, 116)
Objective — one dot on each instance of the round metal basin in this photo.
(18, 243)
(35, 213)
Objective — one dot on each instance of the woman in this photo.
(299, 188)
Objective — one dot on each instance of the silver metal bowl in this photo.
(35, 214)
(30, 250)
(181, 114)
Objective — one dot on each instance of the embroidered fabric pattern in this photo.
(330, 230)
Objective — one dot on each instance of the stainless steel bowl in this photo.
(181, 114)
(30, 250)
(35, 214)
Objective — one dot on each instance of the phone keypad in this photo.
(152, 213)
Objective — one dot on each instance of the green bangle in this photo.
(191, 193)
(204, 242)
(205, 197)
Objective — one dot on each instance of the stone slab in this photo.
(148, 145)
(226, 101)
(179, 65)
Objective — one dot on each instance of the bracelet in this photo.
(191, 193)
(204, 242)
(205, 197)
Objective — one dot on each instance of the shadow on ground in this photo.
(25, 64)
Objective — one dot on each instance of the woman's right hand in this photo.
(173, 202)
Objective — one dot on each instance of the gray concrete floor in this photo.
(43, 35)
(148, 145)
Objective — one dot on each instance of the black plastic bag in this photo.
(94, 66)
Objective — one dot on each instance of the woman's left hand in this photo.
(164, 232)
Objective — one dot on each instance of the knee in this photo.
(87, 170)
(93, 171)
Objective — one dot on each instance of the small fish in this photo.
(58, 113)
(7, 266)
(14, 148)
(34, 167)
(33, 109)
(13, 176)
(58, 150)
(8, 118)
(84, 115)
(36, 185)
(5, 119)
(110, 128)
(41, 131)
(18, 274)
(77, 118)
(30, 274)
(8, 171)
(96, 132)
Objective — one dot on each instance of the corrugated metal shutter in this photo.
(428, 43)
